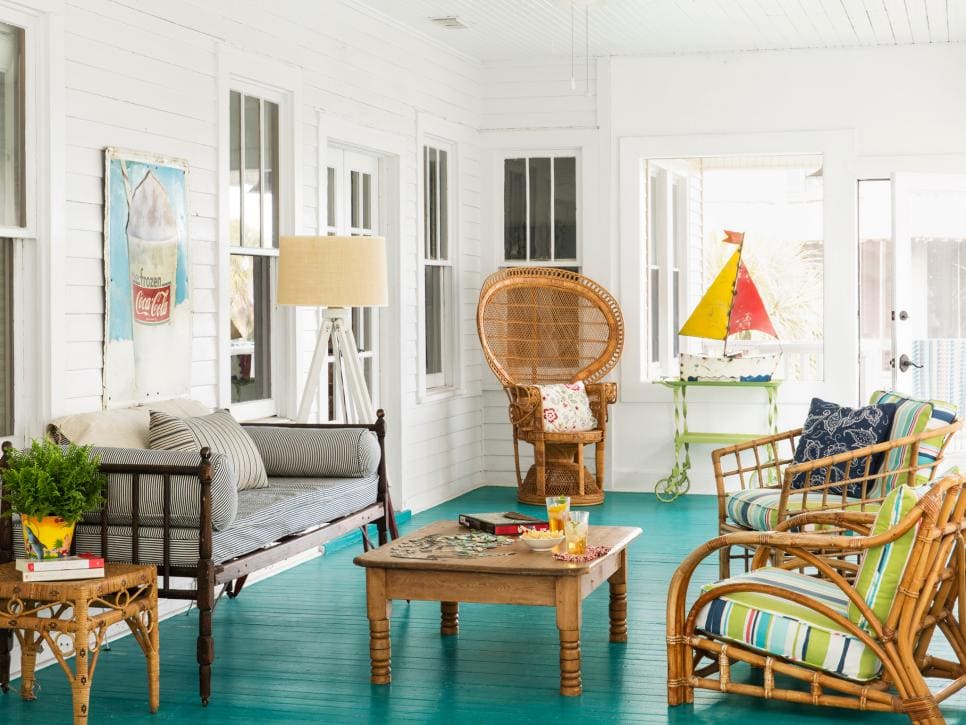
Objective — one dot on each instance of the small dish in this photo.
(542, 544)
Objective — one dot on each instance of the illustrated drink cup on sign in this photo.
(152, 235)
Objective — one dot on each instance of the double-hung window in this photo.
(540, 212)
(13, 207)
(439, 293)
(253, 240)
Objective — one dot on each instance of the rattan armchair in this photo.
(929, 597)
(540, 326)
(759, 474)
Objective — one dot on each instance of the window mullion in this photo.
(553, 249)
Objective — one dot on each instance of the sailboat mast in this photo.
(734, 291)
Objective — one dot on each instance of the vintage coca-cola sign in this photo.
(152, 300)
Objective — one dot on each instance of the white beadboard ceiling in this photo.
(520, 29)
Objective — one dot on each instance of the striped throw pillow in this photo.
(220, 432)
(309, 452)
(912, 418)
(883, 566)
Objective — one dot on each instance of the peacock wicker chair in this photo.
(538, 326)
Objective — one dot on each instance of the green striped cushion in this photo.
(785, 628)
(912, 417)
(757, 508)
(883, 566)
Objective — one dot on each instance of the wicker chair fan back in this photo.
(541, 325)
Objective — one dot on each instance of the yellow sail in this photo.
(710, 318)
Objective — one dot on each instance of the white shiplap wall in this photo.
(145, 76)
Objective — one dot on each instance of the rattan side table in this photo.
(76, 614)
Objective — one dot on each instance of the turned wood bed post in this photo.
(388, 520)
(206, 580)
(6, 555)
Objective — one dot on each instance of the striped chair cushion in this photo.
(757, 508)
(265, 515)
(912, 418)
(341, 452)
(220, 432)
(882, 567)
(185, 490)
(787, 629)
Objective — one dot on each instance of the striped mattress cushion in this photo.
(883, 567)
(784, 628)
(757, 508)
(339, 452)
(265, 515)
(220, 432)
(185, 490)
(913, 417)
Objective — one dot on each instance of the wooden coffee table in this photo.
(526, 577)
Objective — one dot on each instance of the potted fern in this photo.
(51, 488)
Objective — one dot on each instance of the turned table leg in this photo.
(450, 618)
(618, 601)
(379, 609)
(568, 622)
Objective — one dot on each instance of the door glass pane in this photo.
(654, 212)
(270, 195)
(330, 197)
(235, 194)
(250, 314)
(655, 303)
(12, 187)
(876, 276)
(251, 216)
(514, 209)
(443, 212)
(367, 202)
(354, 195)
(936, 284)
(434, 319)
(6, 337)
(565, 207)
(540, 209)
(432, 199)
(427, 216)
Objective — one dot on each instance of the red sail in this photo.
(747, 309)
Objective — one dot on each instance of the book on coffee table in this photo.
(506, 523)
(56, 575)
(84, 561)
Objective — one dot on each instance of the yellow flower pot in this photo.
(46, 538)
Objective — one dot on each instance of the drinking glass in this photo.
(558, 509)
(576, 532)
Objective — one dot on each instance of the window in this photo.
(6, 338)
(253, 240)
(12, 183)
(540, 211)
(352, 209)
(777, 202)
(439, 295)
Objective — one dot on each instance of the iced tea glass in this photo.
(558, 509)
(576, 532)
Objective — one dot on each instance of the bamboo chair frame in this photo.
(764, 463)
(542, 325)
(931, 595)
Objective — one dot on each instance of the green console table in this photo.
(678, 482)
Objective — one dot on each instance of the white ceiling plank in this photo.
(530, 29)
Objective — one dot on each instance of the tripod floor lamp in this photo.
(337, 274)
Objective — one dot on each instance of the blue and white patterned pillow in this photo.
(831, 429)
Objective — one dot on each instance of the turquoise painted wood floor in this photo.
(294, 648)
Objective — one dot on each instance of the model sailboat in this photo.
(732, 304)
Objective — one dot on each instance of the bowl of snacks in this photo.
(543, 540)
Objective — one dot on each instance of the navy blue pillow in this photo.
(830, 429)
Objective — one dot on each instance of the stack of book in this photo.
(84, 566)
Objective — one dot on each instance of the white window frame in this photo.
(840, 338)
(499, 216)
(455, 139)
(435, 382)
(39, 363)
(281, 84)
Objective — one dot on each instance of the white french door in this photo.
(912, 245)
(352, 209)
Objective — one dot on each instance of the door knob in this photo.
(905, 363)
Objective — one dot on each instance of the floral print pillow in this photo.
(566, 408)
